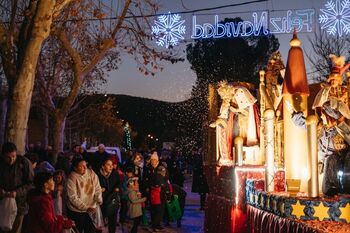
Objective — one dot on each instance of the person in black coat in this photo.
(139, 171)
(199, 183)
(176, 176)
(98, 158)
(110, 184)
(154, 184)
(16, 179)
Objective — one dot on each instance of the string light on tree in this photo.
(127, 135)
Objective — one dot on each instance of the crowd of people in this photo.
(93, 191)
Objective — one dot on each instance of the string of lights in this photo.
(181, 12)
(155, 15)
(127, 136)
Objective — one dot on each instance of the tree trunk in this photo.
(46, 128)
(17, 122)
(59, 123)
(3, 114)
(21, 97)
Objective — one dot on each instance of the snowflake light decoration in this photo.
(336, 17)
(168, 30)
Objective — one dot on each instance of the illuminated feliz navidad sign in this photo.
(169, 29)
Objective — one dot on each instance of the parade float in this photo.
(281, 159)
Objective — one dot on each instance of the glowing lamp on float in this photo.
(295, 95)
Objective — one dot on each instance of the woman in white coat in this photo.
(84, 196)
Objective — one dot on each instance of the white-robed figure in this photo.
(238, 117)
(223, 133)
(245, 120)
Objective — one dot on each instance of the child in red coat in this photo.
(41, 216)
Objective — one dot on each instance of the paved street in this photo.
(192, 222)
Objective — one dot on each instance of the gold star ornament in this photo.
(298, 210)
(321, 211)
(345, 212)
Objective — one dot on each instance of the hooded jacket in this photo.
(134, 204)
(84, 191)
(41, 216)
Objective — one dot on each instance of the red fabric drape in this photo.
(260, 221)
(257, 121)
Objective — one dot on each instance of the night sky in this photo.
(174, 83)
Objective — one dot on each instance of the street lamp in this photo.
(151, 140)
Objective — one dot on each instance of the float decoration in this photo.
(274, 161)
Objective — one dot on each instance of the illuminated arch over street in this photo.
(334, 18)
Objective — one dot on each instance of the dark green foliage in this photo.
(231, 59)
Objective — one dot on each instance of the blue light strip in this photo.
(301, 20)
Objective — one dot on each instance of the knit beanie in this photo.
(132, 180)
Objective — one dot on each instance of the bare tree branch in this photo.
(322, 46)
(121, 18)
(78, 75)
(59, 7)
(108, 43)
